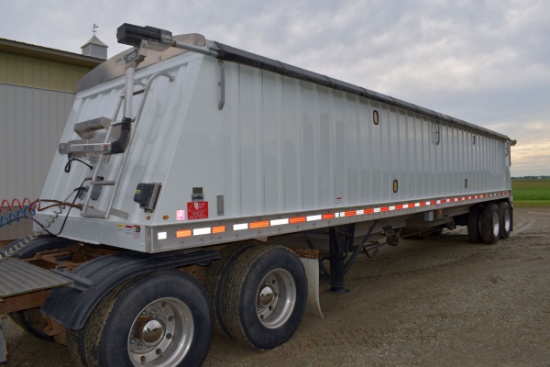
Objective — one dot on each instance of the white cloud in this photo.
(487, 62)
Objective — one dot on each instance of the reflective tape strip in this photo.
(218, 229)
(297, 220)
(278, 222)
(240, 227)
(202, 231)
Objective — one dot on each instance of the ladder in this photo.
(104, 149)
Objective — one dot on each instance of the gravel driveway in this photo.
(441, 301)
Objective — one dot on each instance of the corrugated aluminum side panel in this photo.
(281, 145)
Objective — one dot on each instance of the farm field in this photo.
(531, 192)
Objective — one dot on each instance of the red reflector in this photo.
(328, 216)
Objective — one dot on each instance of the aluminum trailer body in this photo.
(201, 187)
(282, 155)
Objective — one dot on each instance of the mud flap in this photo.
(311, 265)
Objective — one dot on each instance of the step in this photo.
(20, 277)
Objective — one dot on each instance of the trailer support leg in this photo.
(340, 242)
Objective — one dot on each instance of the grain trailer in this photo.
(200, 187)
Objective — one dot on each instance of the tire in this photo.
(76, 339)
(490, 224)
(75, 344)
(31, 320)
(216, 278)
(505, 214)
(474, 231)
(265, 296)
(160, 320)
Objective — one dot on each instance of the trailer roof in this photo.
(233, 54)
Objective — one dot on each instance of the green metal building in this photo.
(36, 95)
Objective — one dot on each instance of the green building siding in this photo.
(39, 73)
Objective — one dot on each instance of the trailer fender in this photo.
(71, 306)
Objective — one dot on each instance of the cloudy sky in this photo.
(486, 62)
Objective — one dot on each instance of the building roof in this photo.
(94, 41)
(27, 49)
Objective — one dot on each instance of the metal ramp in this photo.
(20, 277)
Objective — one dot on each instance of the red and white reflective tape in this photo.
(237, 227)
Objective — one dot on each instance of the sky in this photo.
(485, 62)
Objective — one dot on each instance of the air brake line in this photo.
(31, 209)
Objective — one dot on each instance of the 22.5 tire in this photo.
(160, 320)
(265, 296)
(490, 224)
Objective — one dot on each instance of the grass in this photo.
(531, 192)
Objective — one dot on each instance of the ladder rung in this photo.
(103, 183)
(94, 213)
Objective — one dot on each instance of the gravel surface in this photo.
(441, 301)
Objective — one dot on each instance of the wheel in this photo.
(160, 320)
(215, 280)
(31, 320)
(76, 339)
(76, 346)
(265, 296)
(490, 224)
(474, 231)
(505, 214)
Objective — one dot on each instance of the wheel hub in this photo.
(276, 298)
(152, 331)
(161, 334)
(266, 296)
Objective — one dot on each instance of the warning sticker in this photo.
(197, 210)
(180, 214)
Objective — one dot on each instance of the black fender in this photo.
(71, 306)
(24, 250)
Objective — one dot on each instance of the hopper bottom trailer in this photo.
(200, 187)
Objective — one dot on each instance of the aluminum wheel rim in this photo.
(161, 334)
(276, 298)
(507, 220)
(496, 225)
